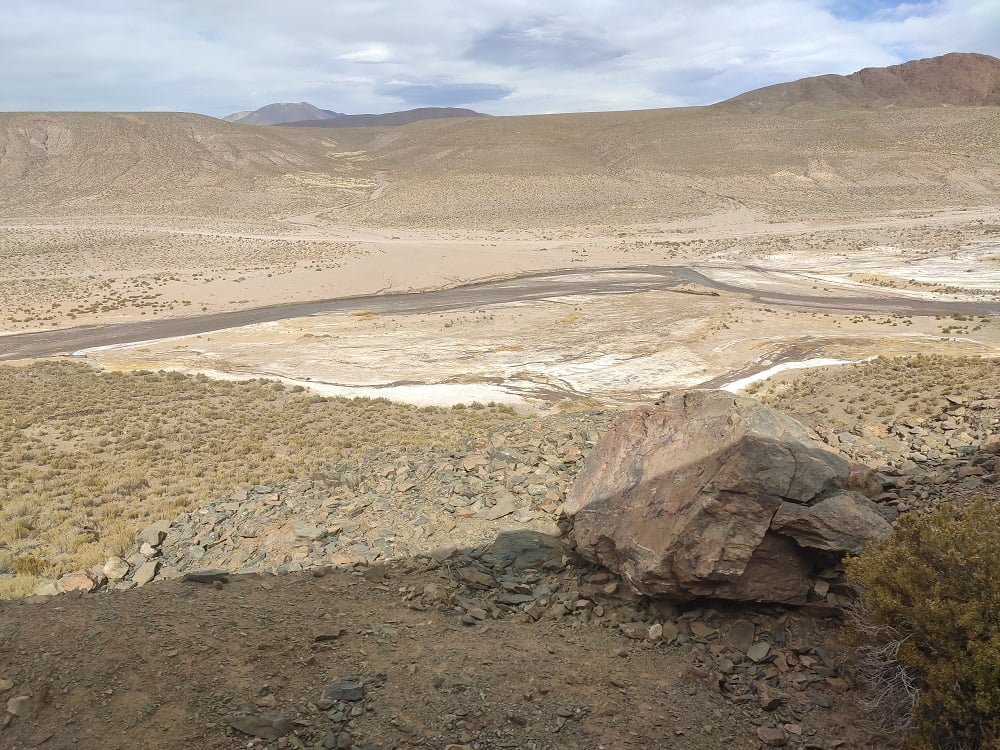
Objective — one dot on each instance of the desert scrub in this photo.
(884, 390)
(928, 616)
(88, 458)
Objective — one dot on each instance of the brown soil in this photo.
(168, 665)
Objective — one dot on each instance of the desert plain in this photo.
(823, 233)
(518, 279)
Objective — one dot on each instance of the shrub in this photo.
(928, 616)
(28, 565)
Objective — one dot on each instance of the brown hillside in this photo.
(958, 79)
(659, 165)
(68, 163)
(608, 168)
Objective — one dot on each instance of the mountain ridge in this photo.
(813, 157)
(304, 114)
(952, 79)
(389, 119)
(955, 79)
(280, 113)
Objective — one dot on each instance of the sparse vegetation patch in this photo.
(87, 458)
(885, 390)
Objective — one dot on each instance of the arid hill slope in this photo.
(662, 165)
(956, 79)
(153, 163)
(833, 159)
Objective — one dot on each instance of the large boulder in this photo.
(710, 494)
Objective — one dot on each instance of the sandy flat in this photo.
(552, 353)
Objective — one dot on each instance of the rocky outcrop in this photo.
(710, 494)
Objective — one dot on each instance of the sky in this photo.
(502, 57)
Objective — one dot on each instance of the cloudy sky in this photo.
(497, 56)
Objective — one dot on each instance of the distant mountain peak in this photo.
(304, 114)
(281, 113)
(389, 119)
(956, 79)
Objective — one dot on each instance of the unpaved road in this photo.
(312, 227)
(566, 283)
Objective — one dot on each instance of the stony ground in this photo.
(425, 599)
(431, 598)
(398, 622)
(413, 656)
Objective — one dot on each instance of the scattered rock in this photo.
(268, 726)
(154, 534)
(19, 705)
(146, 572)
(701, 629)
(770, 699)
(820, 699)
(76, 582)
(741, 635)
(842, 522)
(772, 736)
(758, 651)
(306, 531)
(116, 568)
(636, 630)
(505, 505)
(524, 549)
(670, 631)
(342, 690)
(47, 588)
(394, 505)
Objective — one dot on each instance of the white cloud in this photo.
(509, 56)
(369, 53)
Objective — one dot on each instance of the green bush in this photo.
(928, 616)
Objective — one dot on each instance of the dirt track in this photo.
(521, 289)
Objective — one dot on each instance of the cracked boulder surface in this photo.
(709, 494)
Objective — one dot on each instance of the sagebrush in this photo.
(928, 616)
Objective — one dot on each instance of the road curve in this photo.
(531, 287)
